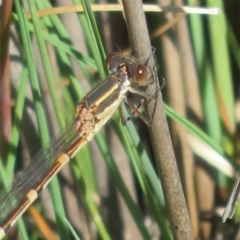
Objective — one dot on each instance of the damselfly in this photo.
(92, 113)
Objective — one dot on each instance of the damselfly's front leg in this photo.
(135, 109)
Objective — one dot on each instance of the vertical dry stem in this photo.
(161, 141)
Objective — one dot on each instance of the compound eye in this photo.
(113, 61)
(141, 74)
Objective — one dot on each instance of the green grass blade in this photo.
(72, 229)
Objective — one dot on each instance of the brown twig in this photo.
(159, 132)
(5, 94)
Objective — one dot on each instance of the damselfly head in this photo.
(135, 71)
(114, 60)
(141, 74)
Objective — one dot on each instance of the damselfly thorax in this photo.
(92, 113)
